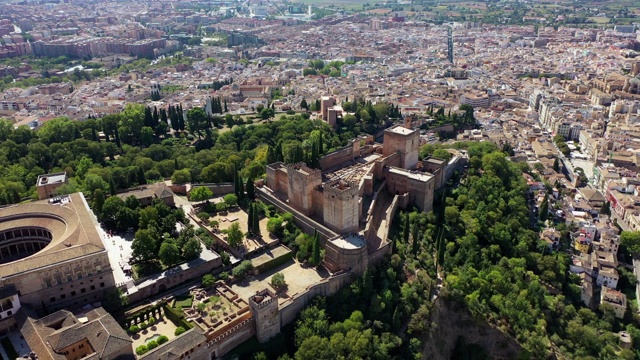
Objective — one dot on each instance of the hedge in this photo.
(177, 319)
(272, 264)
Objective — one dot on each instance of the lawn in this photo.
(183, 301)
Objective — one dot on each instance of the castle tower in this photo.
(325, 103)
(264, 308)
(303, 181)
(406, 142)
(341, 209)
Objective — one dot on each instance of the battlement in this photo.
(262, 299)
(340, 189)
(302, 169)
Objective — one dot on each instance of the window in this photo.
(48, 282)
(93, 287)
(101, 284)
(9, 313)
(83, 290)
(69, 277)
(73, 293)
(53, 299)
(79, 276)
(63, 296)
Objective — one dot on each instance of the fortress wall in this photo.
(337, 157)
(305, 223)
(291, 307)
(456, 163)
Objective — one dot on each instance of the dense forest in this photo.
(480, 234)
(123, 150)
(493, 264)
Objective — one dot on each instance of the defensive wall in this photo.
(177, 275)
(307, 224)
(290, 308)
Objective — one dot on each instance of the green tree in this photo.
(230, 200)
(146, 135)
(315, 257)
(234, 235)
(169, 253)
(243, 269)
(98, 201)
(144, 245)
(208, 280)
(250, 189)
(255, 225)
(191, 249)
(277, 280)
(180, 177)
(631, 241)
(200, 193)
(544, 208)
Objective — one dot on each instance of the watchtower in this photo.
(264, 308)
(406, 142)
(341, 209)
(303, 181)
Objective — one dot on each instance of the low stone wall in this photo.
(172, 277)
(217, 189)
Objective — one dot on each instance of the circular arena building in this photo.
(51, 256)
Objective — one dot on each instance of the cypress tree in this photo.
(148, 118)
(112, 186)
(271, 155)
(278, 152)
(140, 176)
(250, 216)
(226, 109)
(320, 145)
(416, 239)
(256, 219)
(250, 188)
(156, 117)
(163, 116)
(176, 166)
(405, 229)
(117, 136)
(315, 257)
(94, 134)
(98, 201)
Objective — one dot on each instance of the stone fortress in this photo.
(355, 194)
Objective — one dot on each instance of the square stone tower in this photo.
(325, 103)
(406, 142)
(341, 208)
(303, 181)
(264, 308)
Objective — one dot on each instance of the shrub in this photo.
(203, 216)
(208, 280)
(141, 349)
(151, 321)
(162, 339)
(143, 325)
(221, 206)
(133, 329)
(179, 330)
(277, 280)
(152, 344)
(202, 306)
(224, 276)
(214, 224)
(242, 270)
